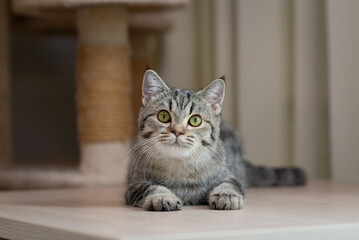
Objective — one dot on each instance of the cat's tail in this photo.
(259, 176)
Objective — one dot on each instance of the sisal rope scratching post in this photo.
(103, 90)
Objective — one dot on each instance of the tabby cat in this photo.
(185, 155)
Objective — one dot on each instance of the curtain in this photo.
(292, 76)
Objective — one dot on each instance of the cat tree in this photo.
(103, 73)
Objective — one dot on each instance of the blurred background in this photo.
(292, 76)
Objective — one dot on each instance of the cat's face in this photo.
(178, 122)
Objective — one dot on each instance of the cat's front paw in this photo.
(226, 200)
(162, 202)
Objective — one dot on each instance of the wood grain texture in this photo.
(321, 209)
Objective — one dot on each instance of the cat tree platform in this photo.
(320, 210)
(105, 109)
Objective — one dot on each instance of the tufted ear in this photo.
(152, 85)
(214, 94)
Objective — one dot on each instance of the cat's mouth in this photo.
(175, 143)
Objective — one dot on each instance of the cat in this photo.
(185, 155)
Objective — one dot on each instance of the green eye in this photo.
(195, 120)
(164, 116)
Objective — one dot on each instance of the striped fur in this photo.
(174, 163)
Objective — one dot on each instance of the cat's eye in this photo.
(195, 120)
(164, 116)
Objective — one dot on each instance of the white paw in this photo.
(162, 202)
(226, 200)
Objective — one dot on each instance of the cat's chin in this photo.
(175, 150)
(175, 145)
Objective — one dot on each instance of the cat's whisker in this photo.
(136, 158)
(132, 150)
(138, 145)
(149, 158)
(144, 150)
(215, 154)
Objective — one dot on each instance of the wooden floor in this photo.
(321, 210)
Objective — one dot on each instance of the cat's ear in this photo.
(214, 94)
(152, 85)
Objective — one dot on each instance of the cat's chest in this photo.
(189, 182)
(191, 194)
(183, 172)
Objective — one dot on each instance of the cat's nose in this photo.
(177, 133)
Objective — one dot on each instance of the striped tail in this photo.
(259, 176)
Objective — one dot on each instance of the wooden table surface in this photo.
(320, 210)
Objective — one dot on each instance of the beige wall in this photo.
(343, 50)
(310, 88)
(264, 80)
(178, 66)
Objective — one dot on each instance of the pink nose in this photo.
(176, 133)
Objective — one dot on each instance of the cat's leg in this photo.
(152, 197)
(228, 195)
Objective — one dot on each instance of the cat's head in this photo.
(179, 122)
